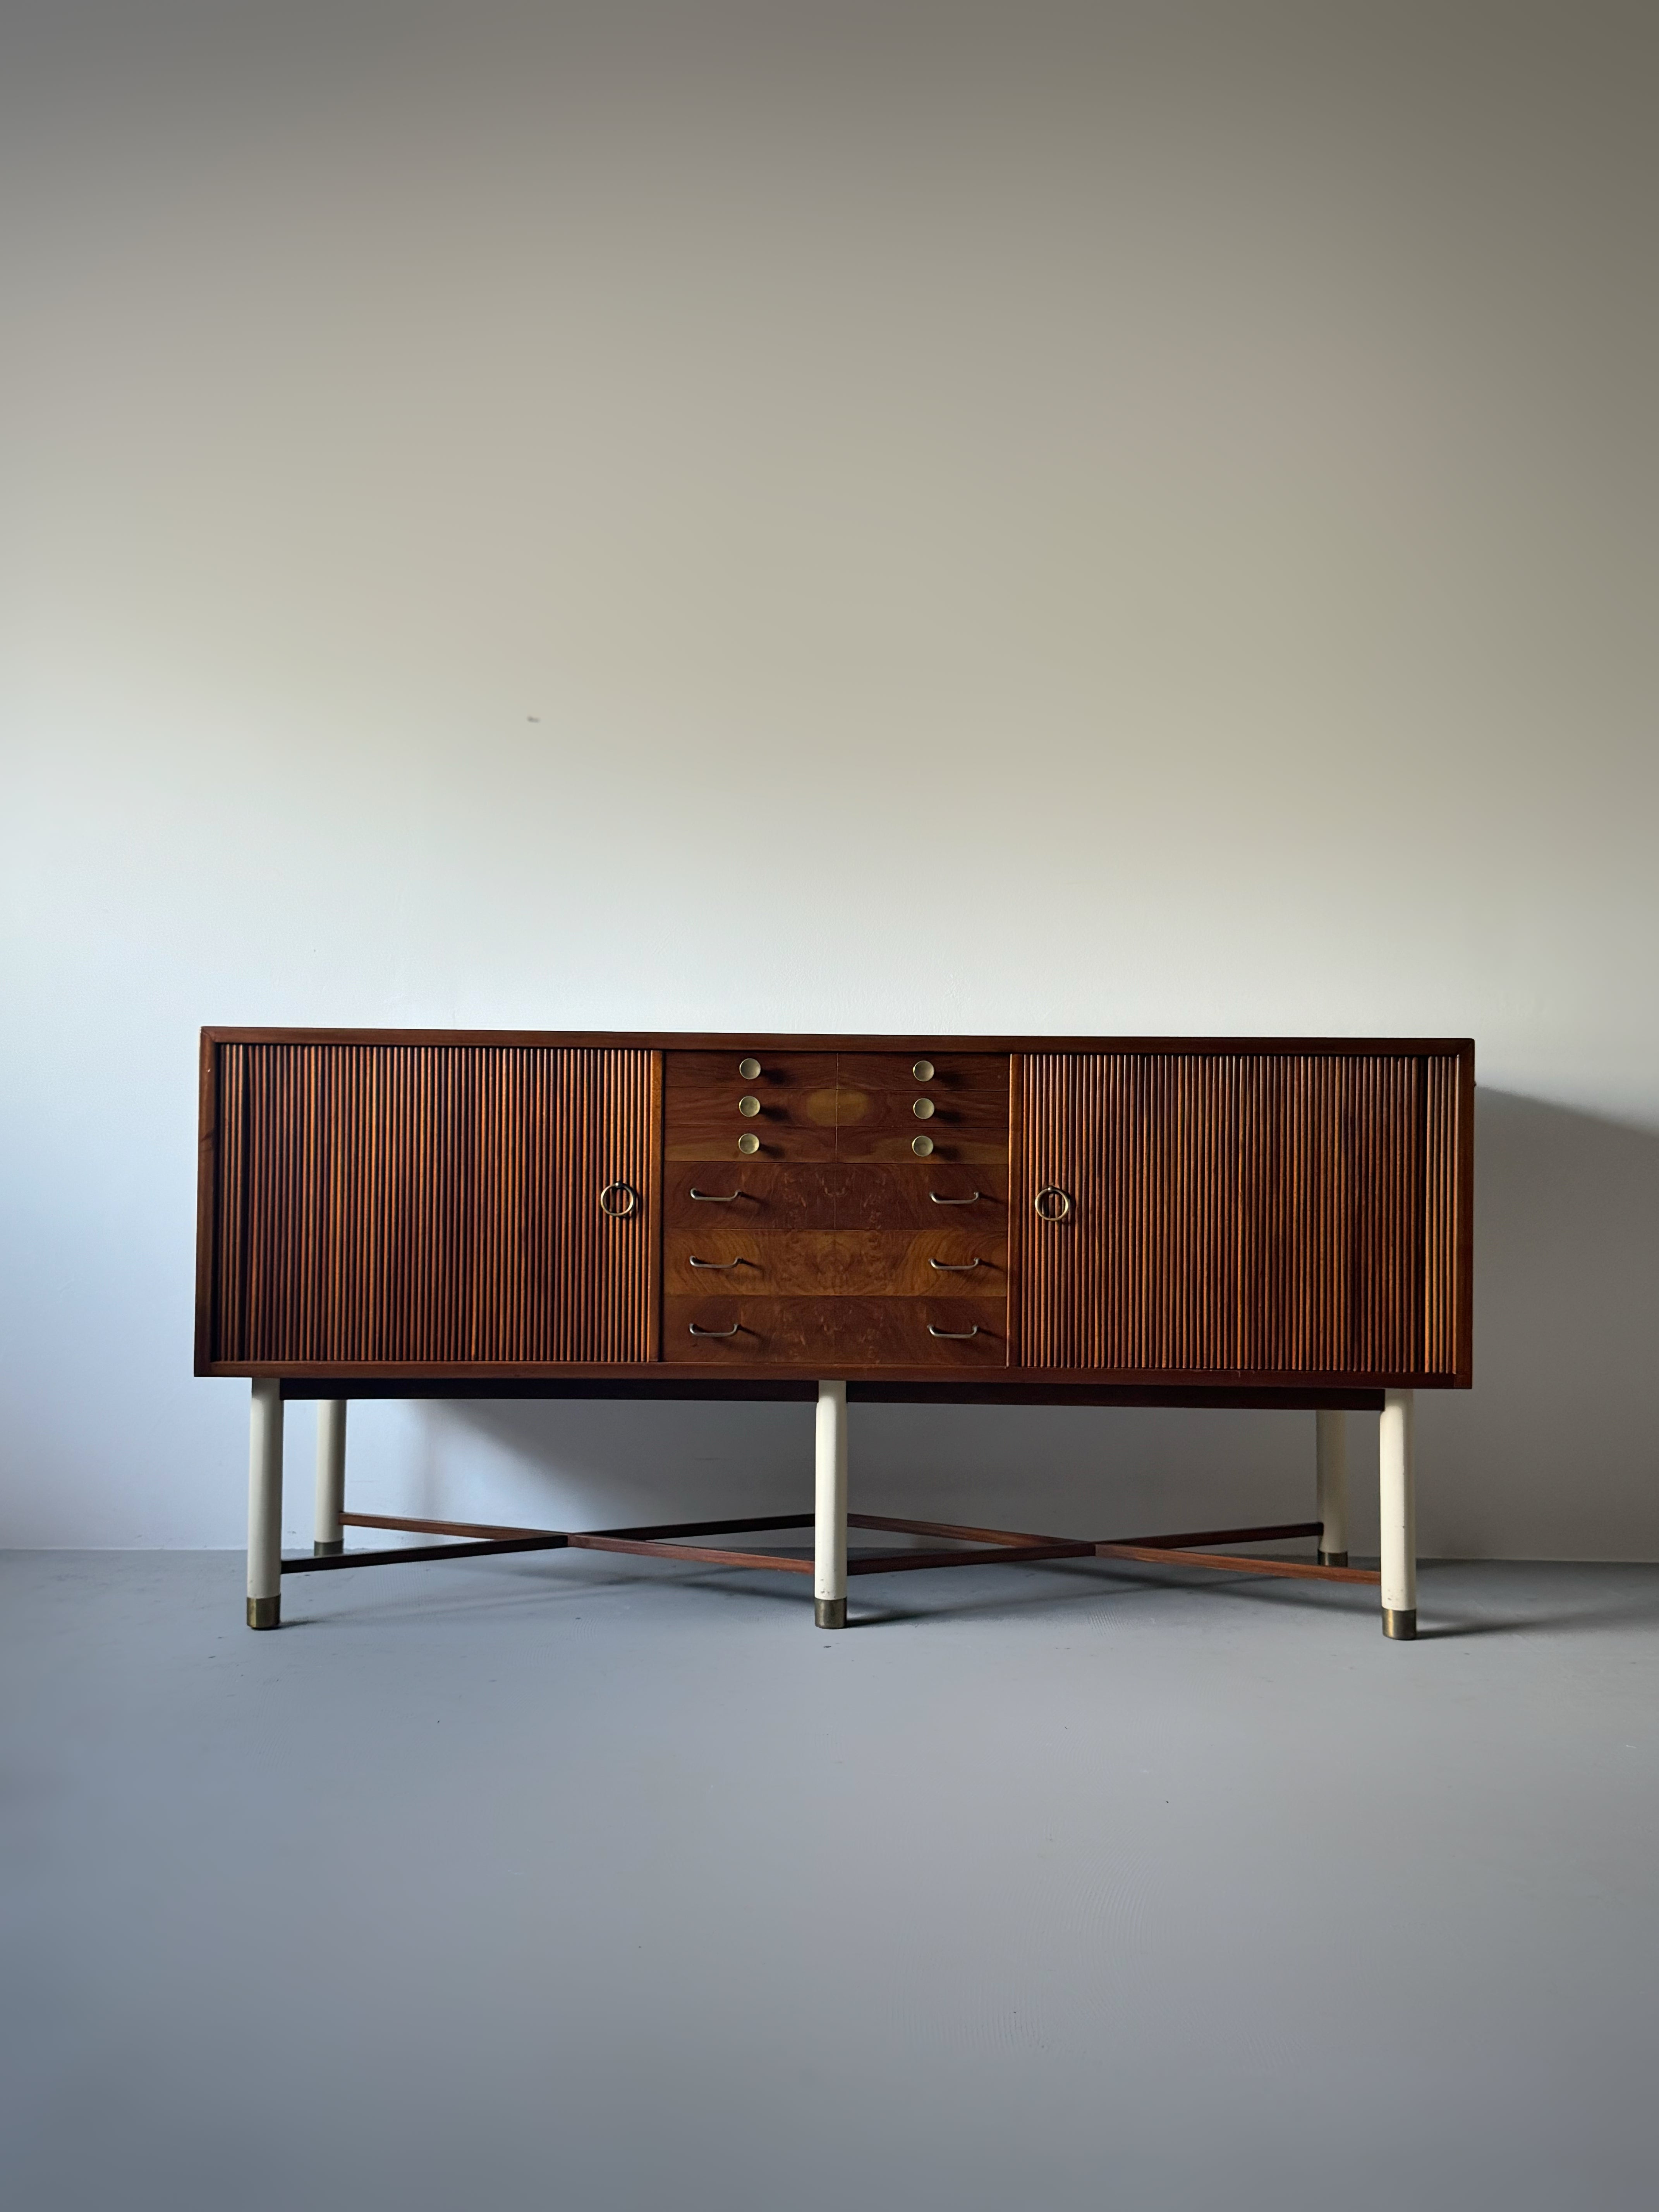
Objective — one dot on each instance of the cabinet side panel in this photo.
(427, 1202)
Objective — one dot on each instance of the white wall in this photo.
(1011, 517)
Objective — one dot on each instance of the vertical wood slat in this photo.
(1241, 1214)
(404, 1203)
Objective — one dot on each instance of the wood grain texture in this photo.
(829, 1332)
(834, 1263)
(1342, 1268)
(733, 1045)
(1234, 1213)
(795, 1091)
(411, 1203)
(922, 1194)
(745, 1195)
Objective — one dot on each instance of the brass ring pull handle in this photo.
(619, 1212)
(717, 1198)
(717, 1263)
(732, 1331)
(1047, 1212)
(956, 1266)
(972, 1199)
(932, 1331)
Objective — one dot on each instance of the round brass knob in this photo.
(749, 1069)
(627, 1199)
(921, 1146)
(923, 1110)
(923, 1071)
(1052, 1203)
(748, 1105)
(749, 1142)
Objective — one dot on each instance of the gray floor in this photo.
(528, 1882)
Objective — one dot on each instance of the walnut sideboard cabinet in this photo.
(1224, 1221)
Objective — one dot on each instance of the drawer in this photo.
(891, 1140)
(791, 1332)
(897, 1333)
(804, 1263)
(837, 1263)
(929, 1193)
(747, 1196)
(895, 1071)
(908, 1263)
(792, 1118)
(829, 1334)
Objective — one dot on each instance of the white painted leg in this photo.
(330, 1534)
(830, 1509)
(1333, 1489)
(265, 1506)
(1397, 1497)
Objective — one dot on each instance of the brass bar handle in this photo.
(716, 1264)
(732, 1331)
(619, 1212)
(963, 1333)
(1051, 1190)
(972, 1199)
(956, 1266)
(715, 1198)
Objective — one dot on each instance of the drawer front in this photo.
(923, 1194)
(749, 1196)
(803, 1263)
(904, 1263)
(885, 1133)
(831, 1332)
(899, 1333)
(723, 1331)
(896, 1071)
(790, 1106)
(764, 1196)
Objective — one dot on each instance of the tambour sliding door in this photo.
(1248, 1214)
(403, 1205)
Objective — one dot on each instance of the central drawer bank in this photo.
(1213, 1222)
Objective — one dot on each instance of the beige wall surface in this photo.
(946, 518)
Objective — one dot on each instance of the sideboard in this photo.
(1231, 1222)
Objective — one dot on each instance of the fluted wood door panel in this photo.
(409, 1203)
(1242, 1214)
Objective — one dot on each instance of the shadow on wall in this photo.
(1553, 1455)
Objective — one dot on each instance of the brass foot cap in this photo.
(1333, 1559)
(326, 1547)
(1400, 1622)
(265, 1612)
(829, 1612)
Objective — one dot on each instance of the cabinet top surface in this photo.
(792, 1041)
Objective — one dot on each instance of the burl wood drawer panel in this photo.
(786, 1111)
(761, 1195)
(829, 1332)
(381, 1203)
(1232, 1212)
(835, 1263)
(922, 1194)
